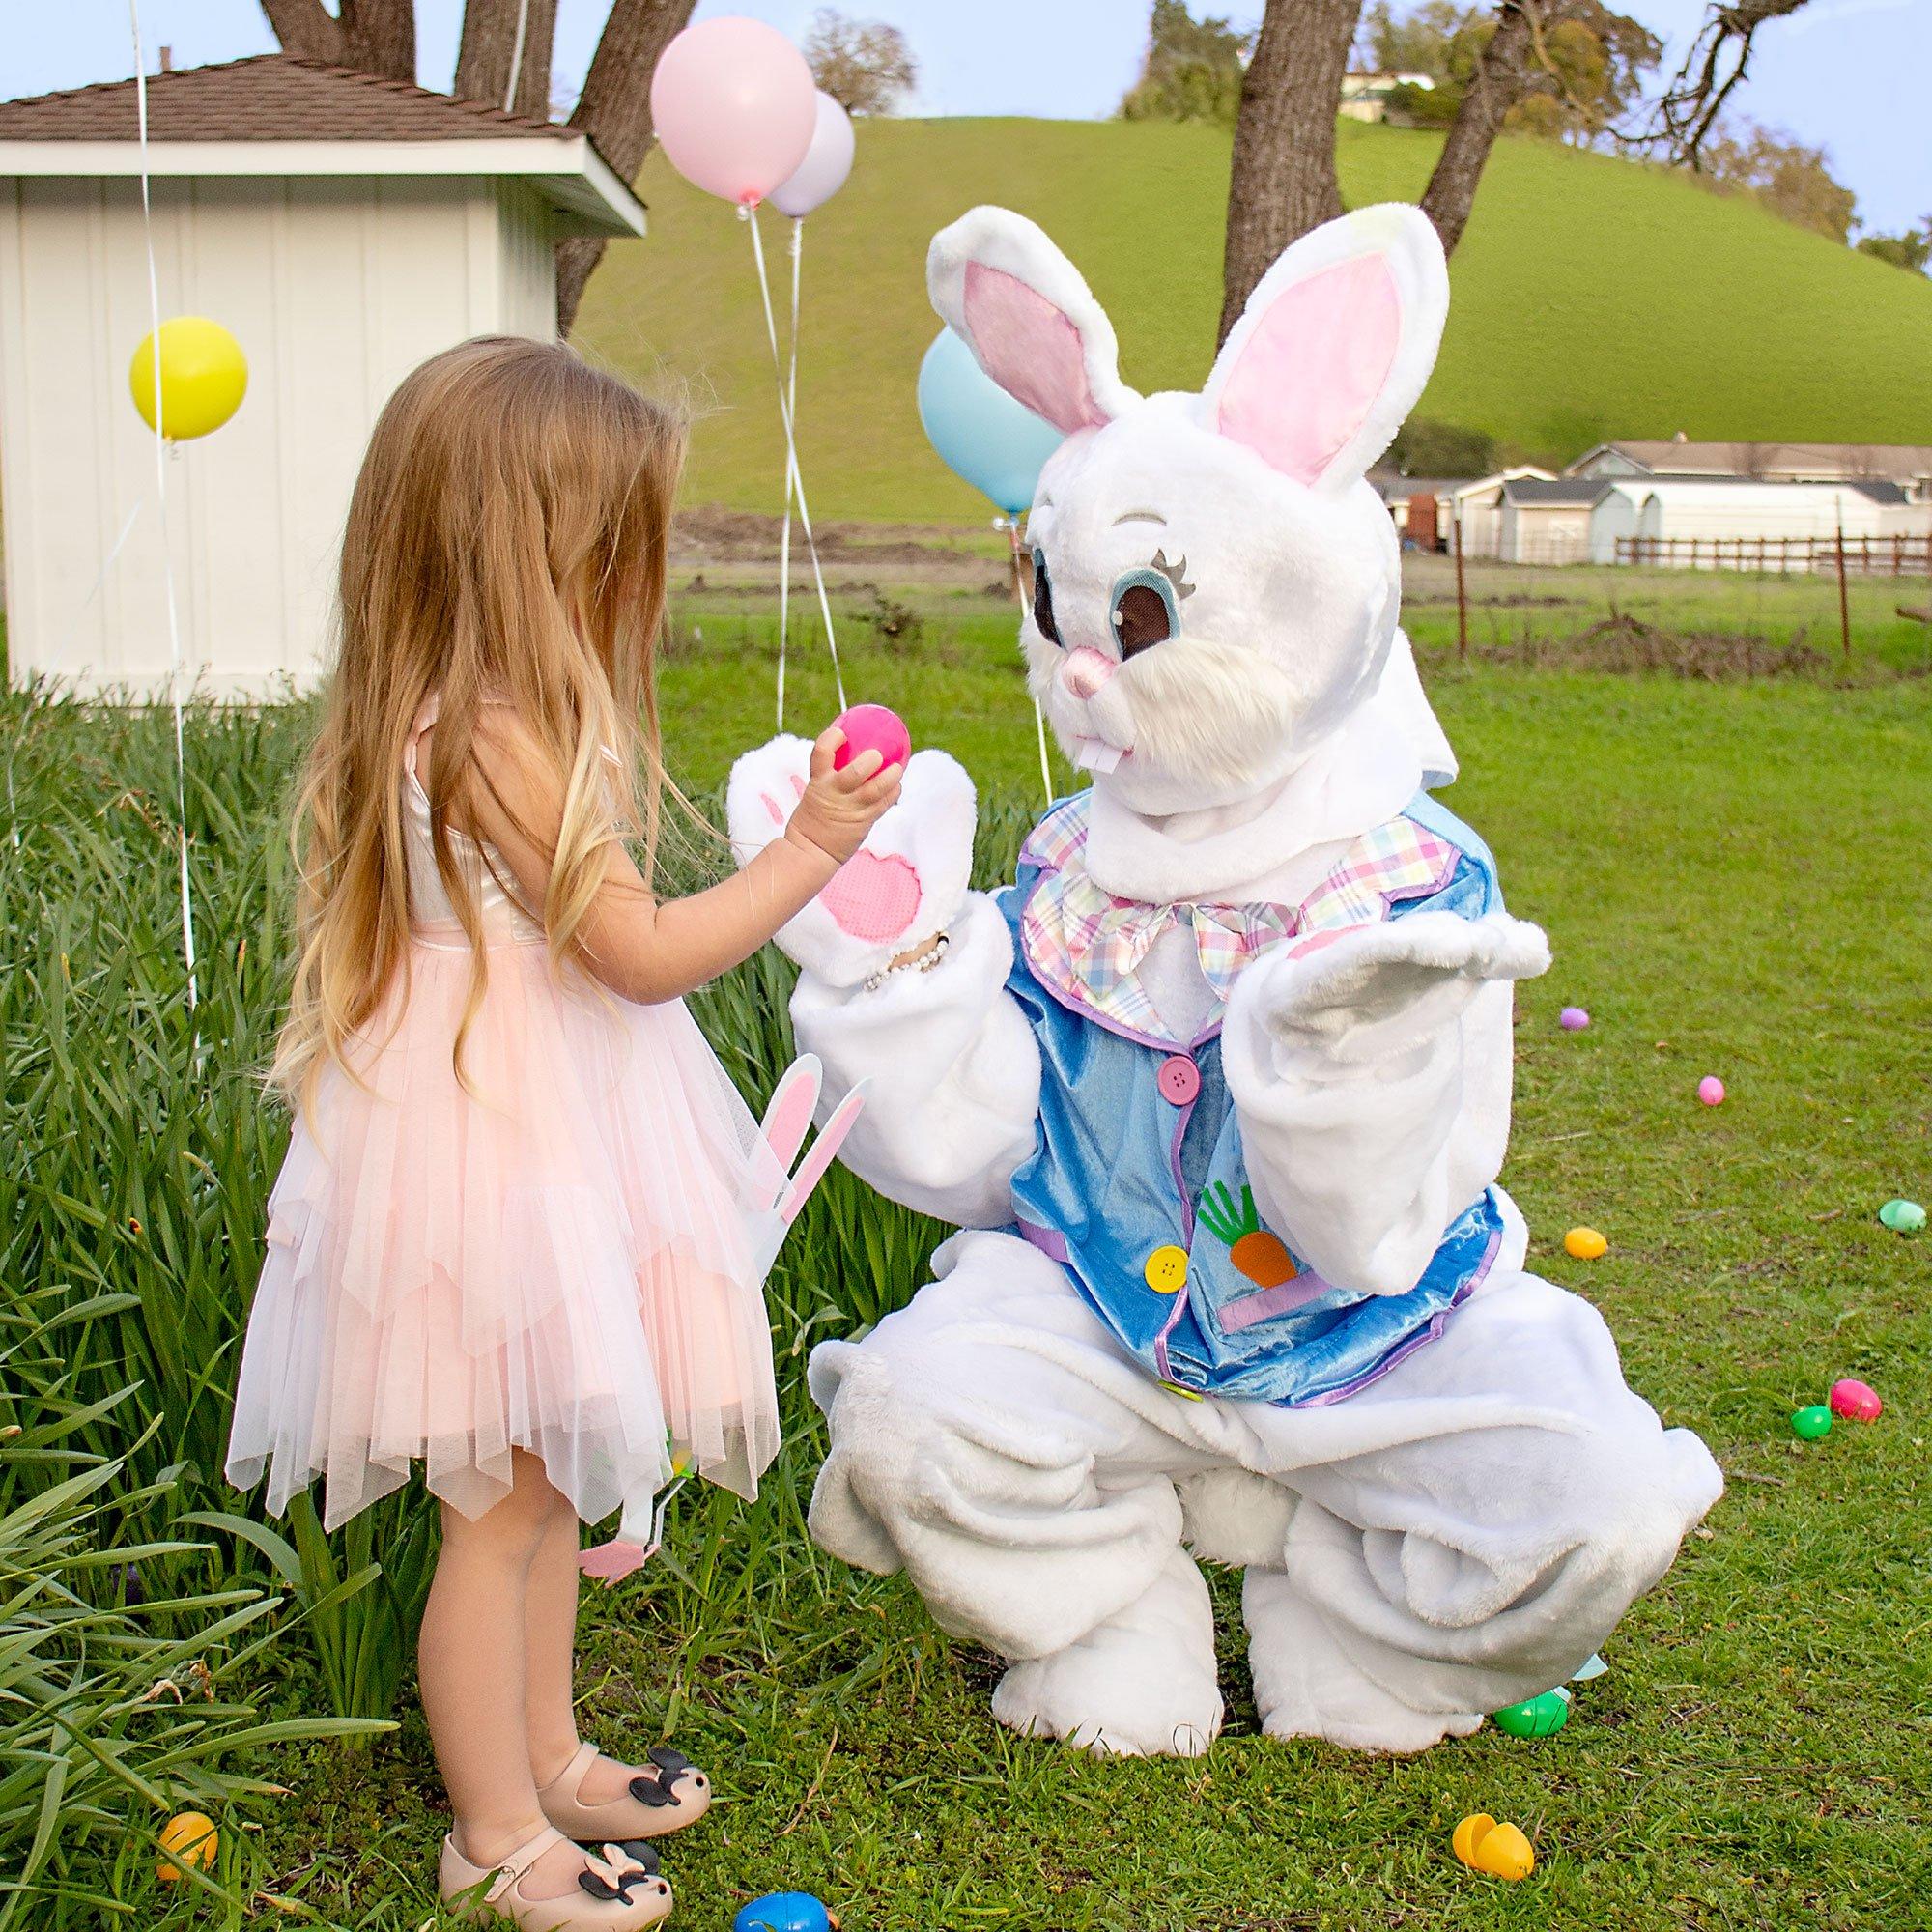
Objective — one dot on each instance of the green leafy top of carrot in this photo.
(1221, 1217)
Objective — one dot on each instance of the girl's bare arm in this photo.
(650, 950)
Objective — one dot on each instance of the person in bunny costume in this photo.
(1218, 1092)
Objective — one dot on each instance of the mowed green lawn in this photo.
(1734, 881)
(1593, 298)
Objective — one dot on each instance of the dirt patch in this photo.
(1627, 645)
(714, 534)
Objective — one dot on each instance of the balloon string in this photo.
(162, 501)
(794, 479)
(1038, 716)
(785, 537)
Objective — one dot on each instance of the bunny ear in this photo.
(1031, 322)
(1334, 346)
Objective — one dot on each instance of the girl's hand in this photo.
(838, 808)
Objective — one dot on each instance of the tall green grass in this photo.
(141, 1620)
(130, 1224)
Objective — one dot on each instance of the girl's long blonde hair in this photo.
(505, 541)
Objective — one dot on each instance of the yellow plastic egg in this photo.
(1500, 1850)
(203, 377)
(191, 1837)
(1585, 1244)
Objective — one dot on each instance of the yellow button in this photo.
(1166, 1270)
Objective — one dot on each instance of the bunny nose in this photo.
(1087, 671)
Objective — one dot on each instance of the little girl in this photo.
(510, 1239)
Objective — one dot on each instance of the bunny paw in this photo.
(906, 882)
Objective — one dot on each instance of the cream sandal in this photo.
(614, 1892)
(672, 1794)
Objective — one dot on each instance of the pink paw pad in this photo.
(873, 896)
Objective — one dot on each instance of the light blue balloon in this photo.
(996, 445)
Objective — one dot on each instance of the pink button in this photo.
(1180, 1081)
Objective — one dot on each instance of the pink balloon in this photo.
(826, 164)
(734, 107)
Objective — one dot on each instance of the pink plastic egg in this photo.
(871, 728)
(1711, 1091)
(1573, 1019)
(1854, 1400)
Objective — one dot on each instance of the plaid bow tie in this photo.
(1089, 944)
(1081, 938)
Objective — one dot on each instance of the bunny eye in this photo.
(1144, 611)
(1042, 599)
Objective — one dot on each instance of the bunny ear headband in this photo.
(1329, 355)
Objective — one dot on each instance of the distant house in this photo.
(1907, 464)
(1428, 510)
(344, 227)
(1364, 96)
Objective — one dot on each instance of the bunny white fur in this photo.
(1458, 1519)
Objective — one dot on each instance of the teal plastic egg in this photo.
(1540, 1717)
(1812, 1423)
(1902, 1217)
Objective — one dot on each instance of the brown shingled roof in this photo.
(269, 97)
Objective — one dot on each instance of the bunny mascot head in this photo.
(1216, 583)
(1216, 1089)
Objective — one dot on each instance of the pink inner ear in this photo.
(1311, 372)
(1030, 348)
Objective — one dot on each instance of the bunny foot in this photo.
(1141, 1685)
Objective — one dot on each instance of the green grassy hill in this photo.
(1593, 298)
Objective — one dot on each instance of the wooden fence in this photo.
(1863, 556)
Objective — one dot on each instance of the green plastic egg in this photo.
(1812, 1423)
(1902, 1217)
(1536, 1717)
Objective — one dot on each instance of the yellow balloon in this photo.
(203, 377)
(191, 1837)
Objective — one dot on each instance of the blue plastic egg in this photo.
(783, 1912)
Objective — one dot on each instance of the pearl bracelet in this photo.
(925, 963)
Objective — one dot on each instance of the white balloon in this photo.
(826, 164)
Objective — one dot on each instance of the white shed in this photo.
(344, 227)
(1547, 520)
(1735, 523)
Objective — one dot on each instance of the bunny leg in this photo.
(995, 1442)
(1504, 1499)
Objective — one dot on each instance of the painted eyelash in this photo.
(1175, 573)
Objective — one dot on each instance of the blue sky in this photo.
(1850, 75)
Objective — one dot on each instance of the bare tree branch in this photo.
(1714, 66)
(614, 109)
(489, 57)
(1281, 181)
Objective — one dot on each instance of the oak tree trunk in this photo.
(488, 58)
(375, 36)
(1282, 183)
(614, 109)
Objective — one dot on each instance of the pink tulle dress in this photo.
(562, 1253)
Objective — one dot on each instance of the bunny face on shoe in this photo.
(1216, 587)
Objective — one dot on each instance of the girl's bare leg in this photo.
(550, 1612)
(550, 1625)
(471, 1667)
